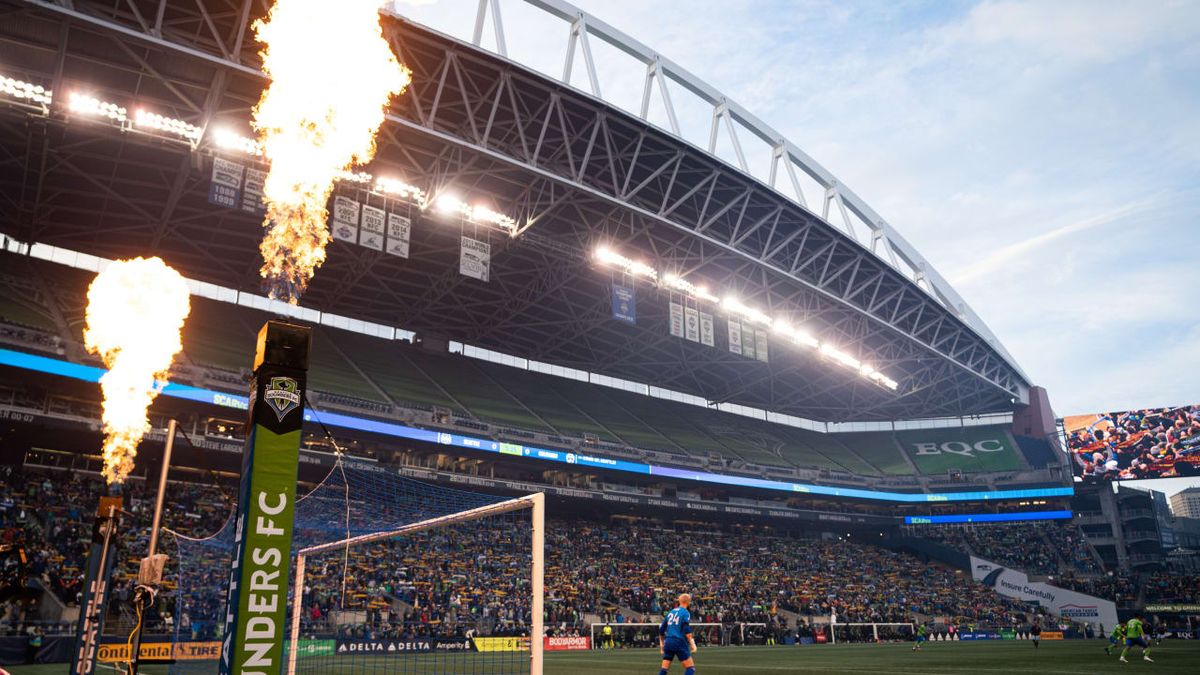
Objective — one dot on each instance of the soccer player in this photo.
(1035, 634)
(675, 638)
(1115, 639)
(919, 637)
(1135, 636)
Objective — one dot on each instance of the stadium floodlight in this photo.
(796, 335)
(449, 204)
(485, 215)
(398, 188)
(25, 92)
(686, 287)
(144, 119)
(607, 256)
(230, 140)
(735, 306)
(840, 356)
(90, 105)
(356, 177)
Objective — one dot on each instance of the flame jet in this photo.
(332, 76)
(136, 310)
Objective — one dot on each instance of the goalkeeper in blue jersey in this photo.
(675, 638)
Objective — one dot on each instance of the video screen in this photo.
(1136, 444)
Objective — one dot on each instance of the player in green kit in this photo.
(919, 637)
(1115, 639)
(1135, 636)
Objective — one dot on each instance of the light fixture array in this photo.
(733, 306)
(25, 92)
(147, 121)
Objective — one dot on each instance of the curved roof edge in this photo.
(835, 198)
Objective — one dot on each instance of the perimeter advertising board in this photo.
(1135, 444)
(1101, 614)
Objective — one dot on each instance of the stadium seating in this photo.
(380, 373)
(593, 567)
(1039, 548)
(879, 449)
(389, 367)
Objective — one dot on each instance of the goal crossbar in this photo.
(536, 502)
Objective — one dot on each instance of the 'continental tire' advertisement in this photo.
(161, 651)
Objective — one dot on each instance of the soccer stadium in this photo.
(343, 342)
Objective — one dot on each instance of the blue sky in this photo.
(1044, 156)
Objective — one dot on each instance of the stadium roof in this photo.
(573, 170)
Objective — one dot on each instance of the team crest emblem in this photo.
(283, 395)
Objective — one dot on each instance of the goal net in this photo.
(873, 632)
(460, 593)
(391, 575)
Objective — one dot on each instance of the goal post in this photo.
(470, 645)
(871, 632)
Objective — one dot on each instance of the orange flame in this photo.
(136, 309)
(332, 76)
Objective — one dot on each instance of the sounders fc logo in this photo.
(283, 395)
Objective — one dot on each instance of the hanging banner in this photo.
(226, 185)
(735, 336)
(760, 344)
(476, 259)
(1080, 607)
(691, 324)
(370, 233)
(398, 228)
(676, 319)
(706, 329)
(252, 193)
(624, 305)
(345, 219)
(748, 342)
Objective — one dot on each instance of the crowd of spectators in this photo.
(1039, 548)
(50, 515)
(1152, 443)
(474, 577)
(1173, 588)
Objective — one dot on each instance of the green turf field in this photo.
(1053, 658)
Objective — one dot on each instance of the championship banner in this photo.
(256, 606)
(370, 233)
(676, 319)
(624, 304)
(501, 644)
(475, 260)
(344, 223)
(118, 652)
(252, 193)
(226, 184)
(748, 346)
(96, 582)
(735, 336)
(706, 329)
(760, 344)
(691, 324)
(1101, 614)
(568, 644)
(398, 231)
